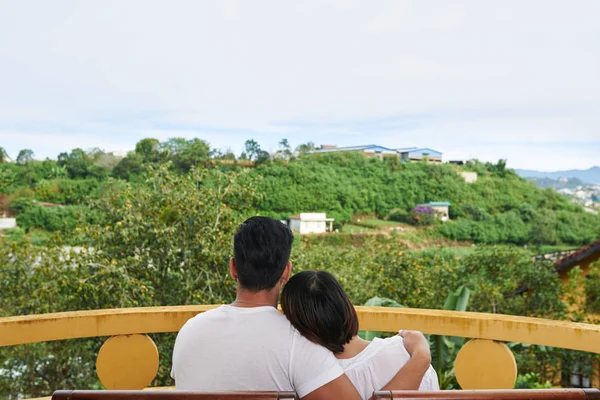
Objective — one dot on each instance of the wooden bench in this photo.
(526, 394)
(512, 394)
(167, 395)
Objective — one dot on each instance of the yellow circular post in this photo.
(485, 364)
(127, 362)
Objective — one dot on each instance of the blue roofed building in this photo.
(418, 154)
(369, 149)
(406, 154)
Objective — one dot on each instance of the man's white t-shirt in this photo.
(376, 365)
(233, 348)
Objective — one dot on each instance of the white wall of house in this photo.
(469, 177)
(443, 212)
(8, 223)
(312, 227)
(309, 223)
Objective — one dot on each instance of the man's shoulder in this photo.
(260, 318)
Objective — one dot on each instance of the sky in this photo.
(517, 80)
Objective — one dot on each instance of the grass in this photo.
(380, 223)
(349, 228)
(551, 249)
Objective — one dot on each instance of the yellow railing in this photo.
(484, 362)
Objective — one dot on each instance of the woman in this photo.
(317, 306)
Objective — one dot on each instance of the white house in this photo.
(305, 223)
(8, 223)
(441, 208)
(469, 177)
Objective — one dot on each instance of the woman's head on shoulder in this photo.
(317, 306)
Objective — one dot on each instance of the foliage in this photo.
(445, 348)
(25, 156)
(48, 279)
(499, 208)
(54, 219)
(67, 191)
(252, 150)
(186, 154)
(80, 164)
(592, 290)
(378, 302)
(174, 232)
(3, 155)
(504, 280)
(531, 380)
(422, 216)
(398, 215)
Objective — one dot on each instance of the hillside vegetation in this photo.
(500, 207)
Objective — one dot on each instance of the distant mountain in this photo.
(557, 184)
(591, 175)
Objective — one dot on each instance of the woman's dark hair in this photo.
(315, 303)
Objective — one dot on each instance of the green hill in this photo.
(500, 207)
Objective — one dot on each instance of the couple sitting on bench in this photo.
(313, 350)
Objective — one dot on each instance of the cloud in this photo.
(468, 77)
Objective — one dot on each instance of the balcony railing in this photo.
(129, 358)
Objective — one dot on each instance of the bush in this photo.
(531, 381)
(592, 290)
(67, 191)
(423, 216)
(14, 234)
(398, 215)
(52, 219)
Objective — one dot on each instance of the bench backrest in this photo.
(167, 395)
(512, 394)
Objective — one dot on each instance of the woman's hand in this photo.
(409, 377)
(416, 344)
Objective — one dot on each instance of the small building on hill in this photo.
(441, 208)
(419, 154)
(369, 150)
(306, 223)
(7, 223)
(469, 177)
(405, 154)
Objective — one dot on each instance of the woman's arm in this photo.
(409, 377)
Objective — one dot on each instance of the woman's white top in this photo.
(376, 365)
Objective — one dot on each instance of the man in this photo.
(249, 345)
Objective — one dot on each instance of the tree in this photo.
(25, 156)
(305, 148)
(223, 154)
(285, 151)
(186, 154)
(80, 164)
(262, 157)
(130, 165)
(3, 155)
(149, 150)
(252, 149)
(175, 231)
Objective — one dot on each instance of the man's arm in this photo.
(339, 388)
(409, 377)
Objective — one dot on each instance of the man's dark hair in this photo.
(261, 249)
(315, 303)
